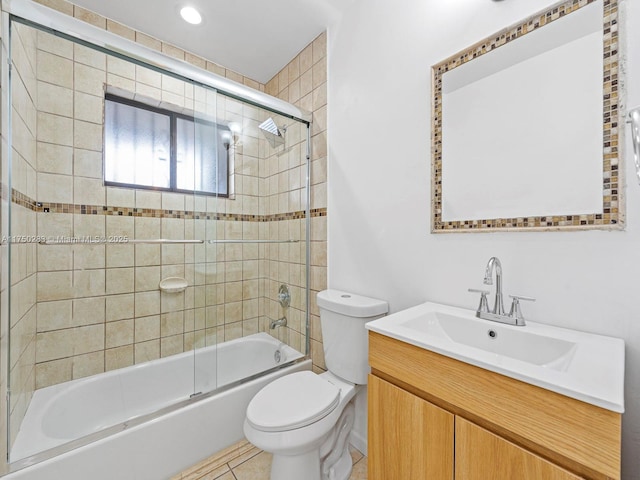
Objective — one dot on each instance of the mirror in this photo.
(525, 126)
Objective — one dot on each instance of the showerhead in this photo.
(273, 134)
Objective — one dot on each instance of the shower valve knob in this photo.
(284, 297)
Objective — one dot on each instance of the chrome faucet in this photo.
(494, 264)
(514, 317)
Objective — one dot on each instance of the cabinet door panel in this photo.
(481, 455)
(409, 438)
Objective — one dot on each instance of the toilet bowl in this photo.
(296, 421)
(304, 419)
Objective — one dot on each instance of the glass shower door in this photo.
(203, 158)
(216, 207)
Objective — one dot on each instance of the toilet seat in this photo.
(293, 401)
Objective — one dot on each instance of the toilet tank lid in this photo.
(351, 304)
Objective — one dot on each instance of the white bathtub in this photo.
(144, 445)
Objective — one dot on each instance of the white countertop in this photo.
(592, 370)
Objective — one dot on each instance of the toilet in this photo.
(304, 419)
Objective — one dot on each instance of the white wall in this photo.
(380, 55)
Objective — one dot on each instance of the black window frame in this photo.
(173, 164)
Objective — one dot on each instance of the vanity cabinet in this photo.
(481, 454)
(412, 438)
(434, 417)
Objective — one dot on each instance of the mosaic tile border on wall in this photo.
(23, 200)
(612, 216)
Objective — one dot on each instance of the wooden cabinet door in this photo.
(409, 438)
(482, 455)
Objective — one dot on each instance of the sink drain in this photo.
(492, 334)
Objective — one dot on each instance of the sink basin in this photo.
(520, 344)
(580, 365)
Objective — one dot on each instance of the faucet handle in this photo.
(522, 297)
(477, 290)
(515, 312)
(483, 307)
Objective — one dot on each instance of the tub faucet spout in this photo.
(282, 322)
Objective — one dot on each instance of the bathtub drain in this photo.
(277, 356)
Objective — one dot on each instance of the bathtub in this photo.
(148, 421)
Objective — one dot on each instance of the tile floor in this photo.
(254, 464)
(257, 464)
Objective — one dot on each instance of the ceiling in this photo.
(255, 38)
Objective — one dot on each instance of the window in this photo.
(147, 147)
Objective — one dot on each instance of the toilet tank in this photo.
(343, 317)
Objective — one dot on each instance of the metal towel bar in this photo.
(122, 240)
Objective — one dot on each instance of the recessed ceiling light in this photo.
(191, 15)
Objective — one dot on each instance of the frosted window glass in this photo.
(137, 147)
(201, 156)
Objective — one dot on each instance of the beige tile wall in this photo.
(99, 307)
(222, 303)
(153, 43)
(23, 222)
(282, 177)
(303, 82)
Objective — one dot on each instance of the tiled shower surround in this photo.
(23, 278)
(83, 309)
(304, 83)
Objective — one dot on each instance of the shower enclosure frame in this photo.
(38, 16)
(51, 21)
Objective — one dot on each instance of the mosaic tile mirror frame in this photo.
(611, 215)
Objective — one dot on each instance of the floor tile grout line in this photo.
(244, 461)
(233, 474)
